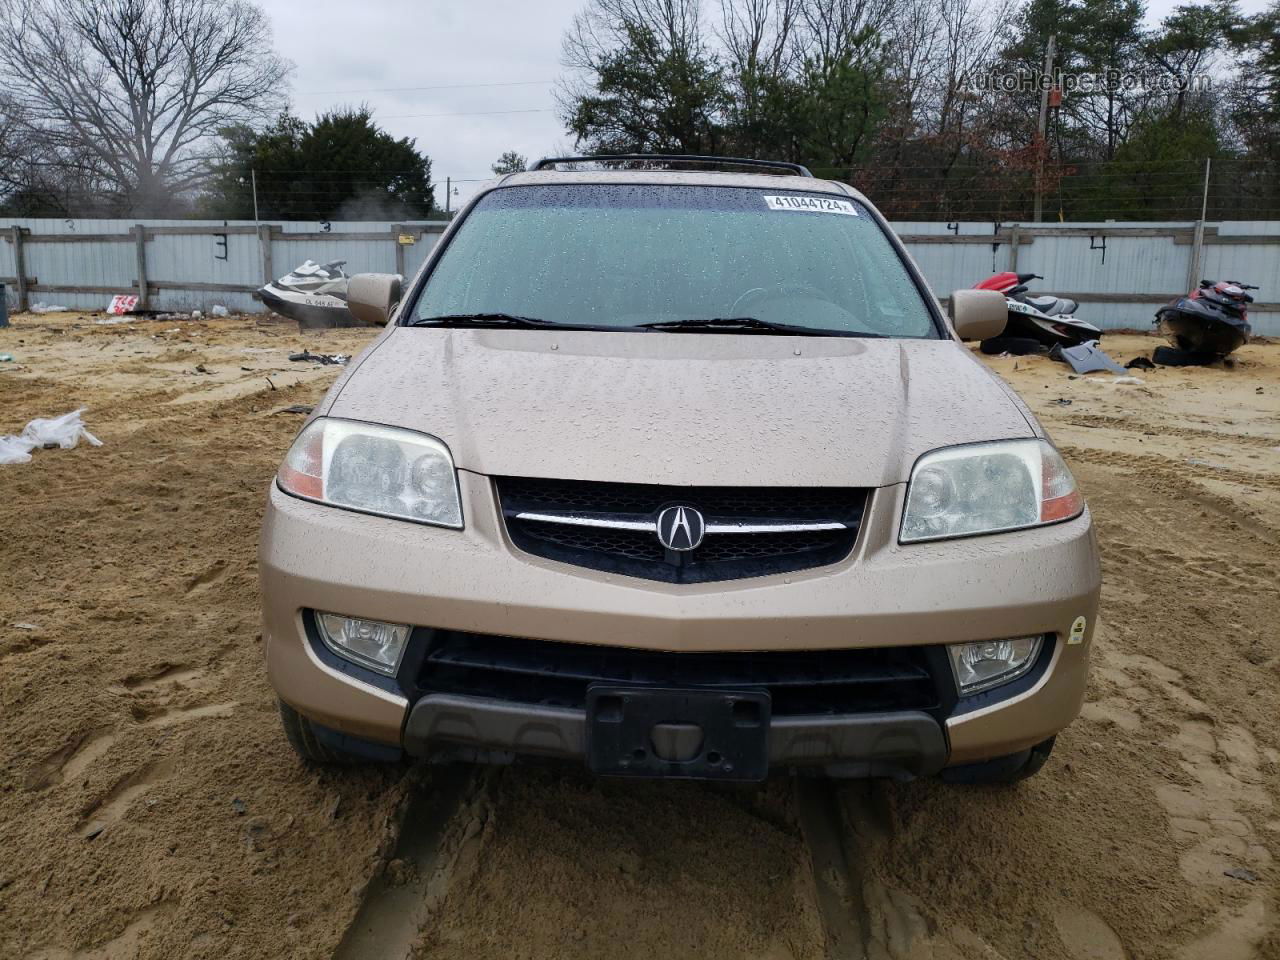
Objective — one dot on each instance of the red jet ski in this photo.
(1210, 321)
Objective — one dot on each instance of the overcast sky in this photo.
(368, 52)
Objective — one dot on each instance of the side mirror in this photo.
(372, 296)
(978, 314)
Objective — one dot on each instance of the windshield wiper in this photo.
(751, 325)
(483, 320)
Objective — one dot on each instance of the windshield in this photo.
(623, 256)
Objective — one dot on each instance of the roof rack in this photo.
(793, 168)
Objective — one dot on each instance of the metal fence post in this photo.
(140, 250)
(264, 241)
(1013, 249)
(1193, 268)
(396, 230)
(1197, 242)
(20, 268)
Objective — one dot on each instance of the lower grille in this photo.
(801, 683)
(612, 527)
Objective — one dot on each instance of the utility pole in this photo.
(1046, 81)
(448, 191)
(253, 175)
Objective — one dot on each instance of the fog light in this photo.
(989, 663)
(369, 643)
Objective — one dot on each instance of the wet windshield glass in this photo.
(626, 255)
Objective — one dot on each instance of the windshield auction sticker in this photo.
(811, 204)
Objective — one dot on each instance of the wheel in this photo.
(319, 744)
(1007, 769)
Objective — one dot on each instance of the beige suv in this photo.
(677, 474)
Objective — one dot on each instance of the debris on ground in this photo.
(218, 310)
(1241, 873)
(49, 308)
(111, 319)
(122, 304)
(63, 432)
(297, 408)
(15, 450)
(306, 356)
(1085, 358)
(1140, 363)
(6, 357)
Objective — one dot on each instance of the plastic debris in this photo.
(111, 318)
(122, 304)
(49, 308)
(1085, 358)
(306, 356)
(15, 450)
(6, 357)
(218, 310)
(1241, 873)
(63, 432)
(1139, 363)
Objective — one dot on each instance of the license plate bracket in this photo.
(675, 733)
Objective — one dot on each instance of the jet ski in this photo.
(314, 294)
(1036, 323)
(1211, 321)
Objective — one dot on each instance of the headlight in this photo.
(987, 488)
(989, 663)
(370, 643)
(373, 469)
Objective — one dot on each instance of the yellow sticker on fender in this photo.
(811, 204)
(1077, 631)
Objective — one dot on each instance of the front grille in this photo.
(721, 556)
(801, 683)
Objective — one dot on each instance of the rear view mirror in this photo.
(978, 314)
(372, 296)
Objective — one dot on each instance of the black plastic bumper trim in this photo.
(901, 742)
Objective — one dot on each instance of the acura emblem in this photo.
(680, 528)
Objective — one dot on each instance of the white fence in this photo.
(1118, 272)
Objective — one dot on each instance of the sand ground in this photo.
(149, 806)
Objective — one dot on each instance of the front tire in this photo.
(1010, 768)
(317, 744)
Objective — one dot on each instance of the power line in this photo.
(442, 86)
(469, 113)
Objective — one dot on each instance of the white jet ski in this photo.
(314, 294)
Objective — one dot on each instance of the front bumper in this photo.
(883, 595)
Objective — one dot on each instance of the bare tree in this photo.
(138, 89)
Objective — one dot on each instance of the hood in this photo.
(681, 409)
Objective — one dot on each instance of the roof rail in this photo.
(792, 168)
